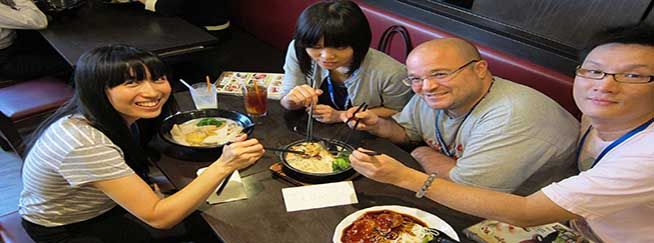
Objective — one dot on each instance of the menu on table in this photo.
(231, 83)
(492, 231)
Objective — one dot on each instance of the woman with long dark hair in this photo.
(331, 47)
(86, 158)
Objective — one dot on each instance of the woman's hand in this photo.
(326, 114)
(302, 96)
(241, 154)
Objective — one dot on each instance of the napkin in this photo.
(319, 196)
(233, 191)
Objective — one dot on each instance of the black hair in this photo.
(638, 34)
(340, 23)
(98, 70)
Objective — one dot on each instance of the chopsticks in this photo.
(370, 153)
(356, 111)
(348, 120)
(284, 150)
(363, 107)
(310, 119)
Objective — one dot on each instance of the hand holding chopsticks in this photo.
(360, 119)
(361, 108)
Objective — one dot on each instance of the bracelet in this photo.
(420, 193)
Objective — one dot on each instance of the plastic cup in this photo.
(203, 97)
(255, 98)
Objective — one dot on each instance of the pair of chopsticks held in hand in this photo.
(362, 107)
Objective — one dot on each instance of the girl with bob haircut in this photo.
(86, 159)
(331, 49)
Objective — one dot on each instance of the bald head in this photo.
(457, 77)
(446, 48)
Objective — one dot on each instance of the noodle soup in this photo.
(316, 159)
(206, 132)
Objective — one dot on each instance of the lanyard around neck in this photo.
(330, 89)
(613, 144)
(445, 148)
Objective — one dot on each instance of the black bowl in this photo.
(315, 178)
(199, 153)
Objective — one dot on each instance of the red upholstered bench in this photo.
(273, 21)
(556, 85)
(25, 100)
(11, 230)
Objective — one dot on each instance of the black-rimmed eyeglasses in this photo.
(630, 78)
(438, 75)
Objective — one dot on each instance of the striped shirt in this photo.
(59, 171)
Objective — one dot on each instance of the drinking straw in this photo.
(208, 83)
(186, 84)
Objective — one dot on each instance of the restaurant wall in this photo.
(548, 32)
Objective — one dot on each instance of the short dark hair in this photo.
(638, 34)
(341, 23)
(98, 70)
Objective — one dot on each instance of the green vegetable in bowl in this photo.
(341, 163)
(210, 121)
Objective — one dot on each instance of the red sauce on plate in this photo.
(379, 226)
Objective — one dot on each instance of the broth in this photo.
(206, 132)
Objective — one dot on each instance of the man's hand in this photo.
(367, 120)
(380, 168)
(433, 161)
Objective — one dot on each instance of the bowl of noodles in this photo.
(316, 164)
(199, 135)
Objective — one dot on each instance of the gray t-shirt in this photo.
(378, 81)
(515, 136)
(59, 169)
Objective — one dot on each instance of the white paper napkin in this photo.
(233, 191)
(319, 196)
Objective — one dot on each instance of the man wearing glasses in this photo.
(480, 130)
(612, 199)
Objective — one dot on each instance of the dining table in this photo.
(98, 23)
(263, 217)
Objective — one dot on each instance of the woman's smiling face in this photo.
(139, 99)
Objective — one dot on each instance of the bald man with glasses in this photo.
(480, 130)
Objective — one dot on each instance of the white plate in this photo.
(431, 220)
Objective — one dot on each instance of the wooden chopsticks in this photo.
(363, 107)
(284, 150)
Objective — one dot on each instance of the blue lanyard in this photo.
(444, 147)
(613, 144)
(330, 88)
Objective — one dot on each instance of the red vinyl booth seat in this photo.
(273, 21)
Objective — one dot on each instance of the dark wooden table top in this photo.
(263, 217)
(97, 23)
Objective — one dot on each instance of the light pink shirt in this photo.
(616, 197)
